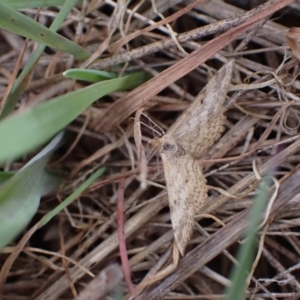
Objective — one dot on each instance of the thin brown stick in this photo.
(122, 239)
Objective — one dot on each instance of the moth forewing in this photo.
(201, 124)
(193, 133)
(187, 191)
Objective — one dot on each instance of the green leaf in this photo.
(23, 132)
(5, 175)
(89, 75)
(20, 195)
(16, 22)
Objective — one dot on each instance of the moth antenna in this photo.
(154, 124)
(151, 128)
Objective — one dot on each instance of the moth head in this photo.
(166, 144)
(169, 145)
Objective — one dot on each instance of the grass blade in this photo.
(17, 88)
(246, 252)
(89, 75)
(72, 197)
(20, 195)
(16, 22)
(30, 128)
(18, 4)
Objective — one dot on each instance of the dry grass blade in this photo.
(292, 36)
(178, 14)
(139, 97)
(122, 240)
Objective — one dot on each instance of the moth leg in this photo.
(163, 273)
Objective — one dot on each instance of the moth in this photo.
(189, 138)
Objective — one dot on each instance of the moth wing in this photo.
(187, 191)
(197, 129)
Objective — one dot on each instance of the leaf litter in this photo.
(264, 119)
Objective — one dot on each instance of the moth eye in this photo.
(167, 146)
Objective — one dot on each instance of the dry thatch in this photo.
(261, 134)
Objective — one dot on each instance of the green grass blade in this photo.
(72, 197)
(18, 4)
(20, 195)
(16, 22)
(17, 88)
(89, 75)
(23, 132)
(246, 252)
(5, 175)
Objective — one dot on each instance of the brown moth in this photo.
(189, 138)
